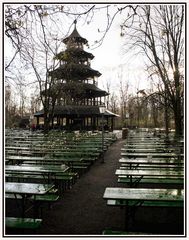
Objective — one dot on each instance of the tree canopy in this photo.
(156, 31)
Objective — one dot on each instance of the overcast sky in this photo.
(110, 58)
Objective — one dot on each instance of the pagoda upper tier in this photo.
(75, 38)
(73, 71)
(74, 61)
(74, 54)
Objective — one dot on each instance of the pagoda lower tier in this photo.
(83, 118)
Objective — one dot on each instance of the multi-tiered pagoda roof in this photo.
(79, 96)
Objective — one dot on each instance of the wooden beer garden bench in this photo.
(27, 190)
(152, 155)
(121, 203)
(49, 197)
(63, 180)
(22, 223)
(148, 180)
(116, 232)
(132, 198)
(134, 177)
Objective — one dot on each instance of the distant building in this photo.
(77, 105)
(24, 122)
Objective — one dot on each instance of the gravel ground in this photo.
(82, 210)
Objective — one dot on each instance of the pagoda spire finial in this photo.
(75, 22)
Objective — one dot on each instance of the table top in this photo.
(144, 194)
(11, 157)
(150, 150)
(158, 172)
(45, 158)
(159, 154)
(147, 144)
(17, 148)
(66, 153)
(27, 188)
(36, 168)
(16, 137)
(159, 143)
(144, 140)
(168, 161)
(145, 147)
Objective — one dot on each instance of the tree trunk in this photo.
(166, 117)
(46, 121)
(178, 119)
(154, 115)
(178, 104)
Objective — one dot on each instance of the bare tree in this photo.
(114, 103)
(11, 110)
(124, 92)
(158, 31)
(35, 33)
(19, 19)
(34, 103)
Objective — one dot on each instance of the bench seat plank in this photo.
(112, 232)
(113, 202)
(154, 180)
(25, 223)
(45, 197)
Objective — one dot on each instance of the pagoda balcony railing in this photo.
(82, 103)
(91, 103)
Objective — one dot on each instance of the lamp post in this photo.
(102, 110)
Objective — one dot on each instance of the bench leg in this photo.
(129, 216)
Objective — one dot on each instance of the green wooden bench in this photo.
(32, 162)
(22, 223)
(82, 163)
(44, 198)
(48, 198)
(151, 166)
(121, 203)
(113, 232)
(79, 169)
(63, 180)
(154, 180)
(88, 161)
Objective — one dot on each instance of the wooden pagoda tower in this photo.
(78, 103)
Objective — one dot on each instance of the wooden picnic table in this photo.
(152, 161)
(55, 152)
(131, 198)
(13, 137)
(46, 159)
(56, 145)
(144, 139)
(19, 159)
(149, 139)
(46, 170)
(147, 150)
(153, 155)
(152, 146)
(158, 173)
(17, 148)
(26, 190)
(146, 144)
(139, 143)
(144, 194)
(135, 176)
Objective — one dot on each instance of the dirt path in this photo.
(82, 210)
